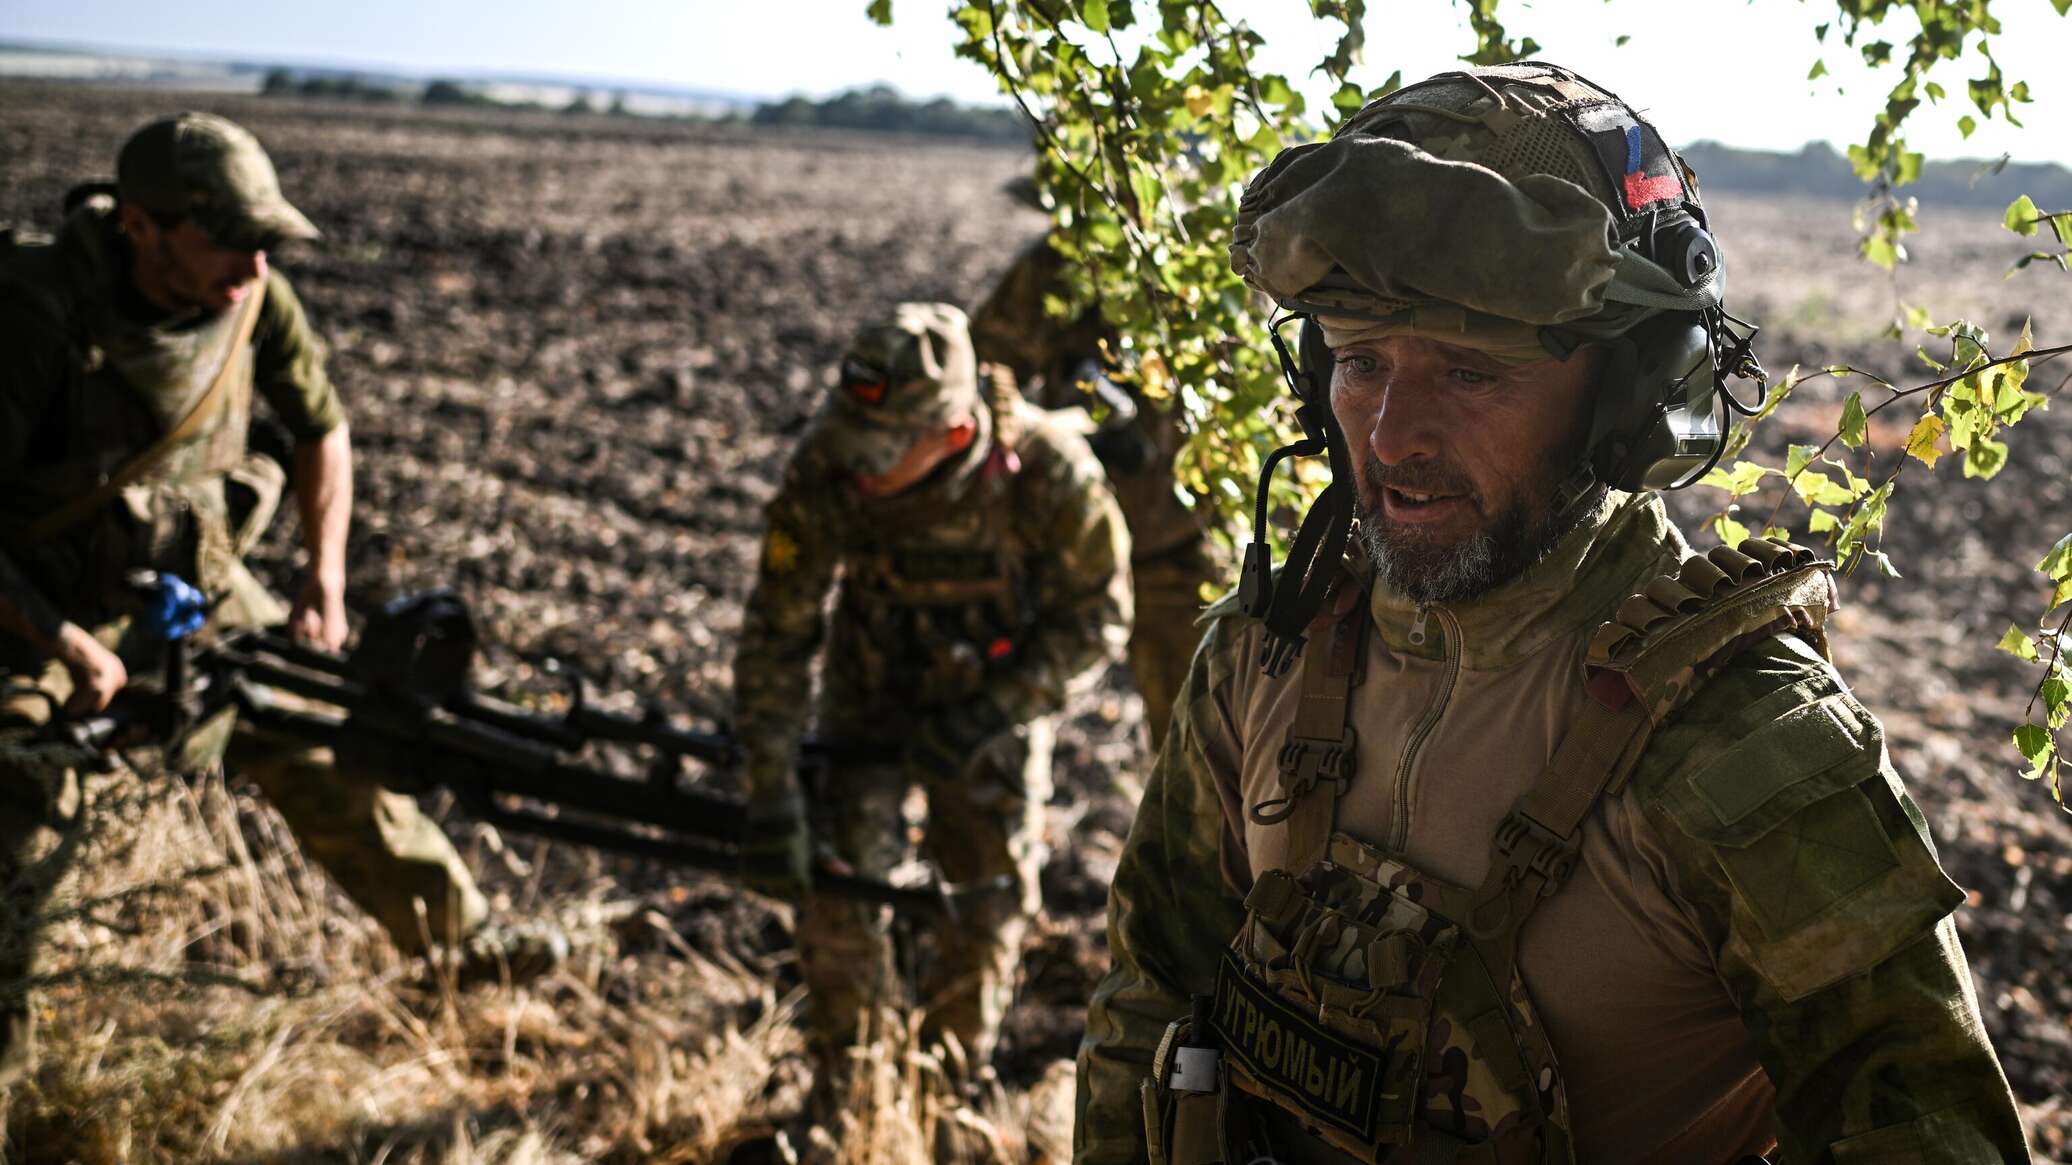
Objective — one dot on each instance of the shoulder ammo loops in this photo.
(1318, 757)
(1642, 665)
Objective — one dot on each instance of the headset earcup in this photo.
(1655, 419)
(1315, 355)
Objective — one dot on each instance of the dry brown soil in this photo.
(577, 349)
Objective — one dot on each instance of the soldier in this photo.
(981, 567)
(1559, 842)
(1062, 363)
(135, 342)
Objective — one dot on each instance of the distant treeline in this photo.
(1817, 170)
(880, 107)
(442, 92)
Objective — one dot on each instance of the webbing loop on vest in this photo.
(1319, 757)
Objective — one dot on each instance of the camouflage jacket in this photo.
(92, 376)
(1756, 940)
(1048, 355)
(1002, 577)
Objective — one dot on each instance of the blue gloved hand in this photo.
(175, 609)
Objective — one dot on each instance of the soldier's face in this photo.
(1459, 458)
(181, 268)
(929, 450)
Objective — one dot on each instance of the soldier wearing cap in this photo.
(1523, 833)
(979, 569)
(135, 342)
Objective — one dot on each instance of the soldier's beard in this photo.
(1423, 570)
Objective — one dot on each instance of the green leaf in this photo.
(2057, 565)
(2018, 644)
(2055, 692)
(2021, 216)
(1798, 457)
(2034, 742)
(1817, 489)
(1985, 458)
(1731, 532)
(1821, 522)
(1881, 249)
(1855, 427)
(1743, 479)
(1965, 124)
(880, 12)
(1094, 14)
(1818, 71)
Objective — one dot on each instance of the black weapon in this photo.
(400, 706)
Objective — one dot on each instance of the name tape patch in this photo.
(1325, 1076)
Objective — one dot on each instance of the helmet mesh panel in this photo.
(1542, 146)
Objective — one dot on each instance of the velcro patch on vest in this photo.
(931, 565)
(1318, 1073)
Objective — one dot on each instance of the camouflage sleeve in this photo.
(288, 365)
(1791, 842)
(1171, 907)
(1011, 328)
(1082, 602)
(781, 630)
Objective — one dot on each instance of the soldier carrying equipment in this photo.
(138, 342)
(978, 571)
(400, 704)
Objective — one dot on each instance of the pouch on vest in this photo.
(1183, 1097)
(1382, 1010)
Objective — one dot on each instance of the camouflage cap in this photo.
(210, 169)
(1480, 206)
(900, 378)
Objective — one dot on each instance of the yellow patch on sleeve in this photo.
(780, 552)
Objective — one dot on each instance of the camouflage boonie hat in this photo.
(1480, 206)
(900, 378)
(210, 169)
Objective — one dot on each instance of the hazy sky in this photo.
(1730, 70)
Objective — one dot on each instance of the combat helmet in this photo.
(1518, 209)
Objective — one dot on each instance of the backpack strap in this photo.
(79, 508)
(1652, 656)
(1319, 755)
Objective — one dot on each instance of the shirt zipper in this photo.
(1399, 824)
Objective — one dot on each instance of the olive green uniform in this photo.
(1172, 557)
(982, 593)
(93, 376)
(1755, 938)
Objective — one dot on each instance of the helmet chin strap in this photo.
(1286, 603)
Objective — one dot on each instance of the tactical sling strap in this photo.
(85, 505)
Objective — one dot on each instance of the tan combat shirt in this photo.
(1694, 947)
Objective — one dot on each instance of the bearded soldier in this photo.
(1527, 834)
(135, 342)
(1062, 363)
(979, 569)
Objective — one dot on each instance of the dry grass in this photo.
(208, 998)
